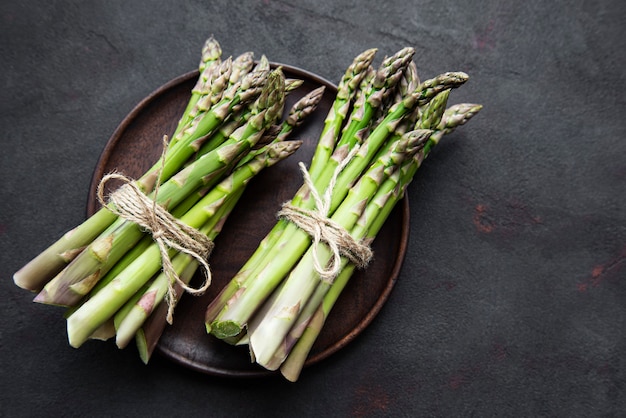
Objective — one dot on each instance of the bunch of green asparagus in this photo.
(384, 122)
(118, 279)
(108, 270)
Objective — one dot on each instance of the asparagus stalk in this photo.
(210, 57)
(431, 113)
(108, 300)
(299, 343)
(346, 90)
(129, 322)
(211, 51)
(311, 309)
(242, 65)
(213, 90)
(300, 111)
(455, 116)
(292, 84)
(266, 334)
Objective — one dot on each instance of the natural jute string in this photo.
(130, 203)
(321, 228)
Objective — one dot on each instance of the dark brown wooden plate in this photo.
(134, 147)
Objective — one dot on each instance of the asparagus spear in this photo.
(129, 322)
(210, 57)
(109, 299)
(211, 51)
(299, 343)
(309, 311)
(148, 334)
(292, 84)
(266, 334)
(265, 261)
(431, 113)
(332, 125)
(300, 111)
(242, 65)
(346, 90)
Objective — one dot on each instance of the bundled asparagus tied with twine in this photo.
(122, 271)
(144, 245)
(383, 124)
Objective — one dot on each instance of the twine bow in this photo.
(321, 228)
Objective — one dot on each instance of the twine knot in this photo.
(321, 228)
(131, 204)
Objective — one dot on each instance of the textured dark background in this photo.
(512, 299)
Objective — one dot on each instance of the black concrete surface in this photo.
(512, 298)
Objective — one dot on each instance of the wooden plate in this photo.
(134, 147)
